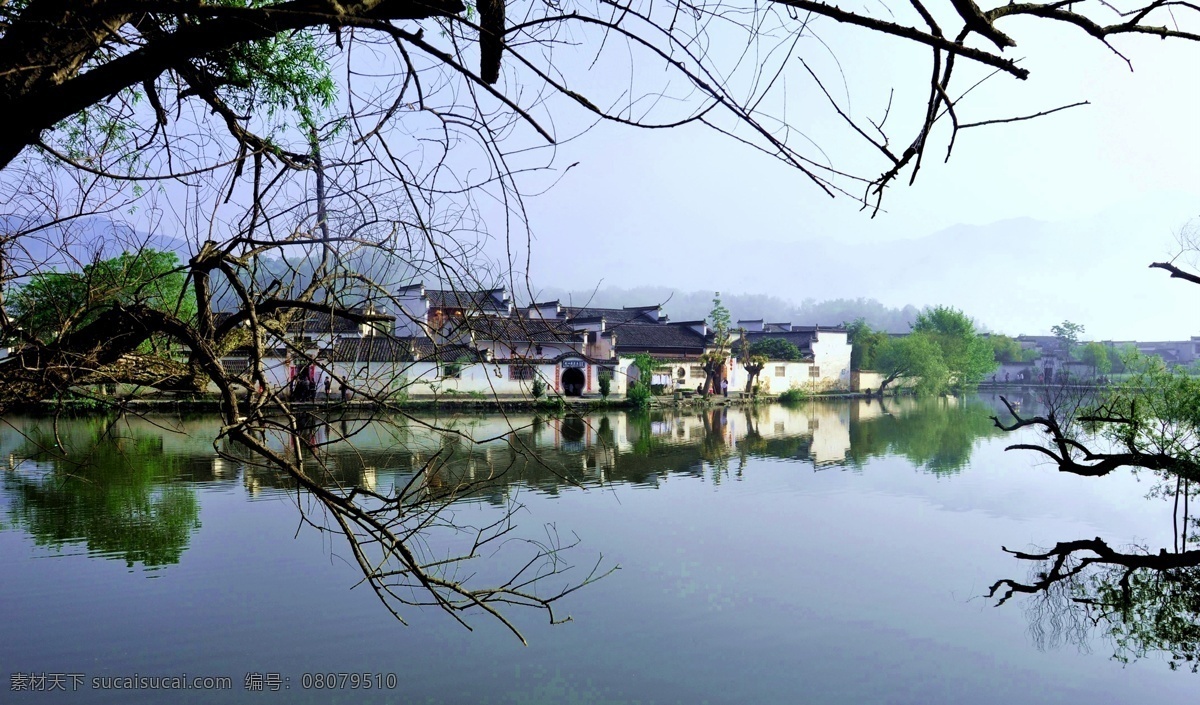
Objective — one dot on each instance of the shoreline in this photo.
(463, 404)
(101, 405)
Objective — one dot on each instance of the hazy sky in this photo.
(692, 209)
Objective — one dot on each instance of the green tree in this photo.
(645, 364)
(1117, 356)
(1008, 350)
(865, 344)
(717, 354)
(1068, 336)
(968, 357)
(54, 303)
(916, 356)
(776, 349)
(1096, 356)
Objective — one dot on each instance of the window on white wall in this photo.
(781, 371)
(814, 371)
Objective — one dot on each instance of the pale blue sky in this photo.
(672, 207)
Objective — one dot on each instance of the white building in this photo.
(824, 363)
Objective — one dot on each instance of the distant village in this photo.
(1051, 360)
(449, 341)
(478, 342)
(442, 342)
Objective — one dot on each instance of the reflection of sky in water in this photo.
(816, 562)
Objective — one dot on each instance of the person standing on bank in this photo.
(725, 388)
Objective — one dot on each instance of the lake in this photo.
(831, 552)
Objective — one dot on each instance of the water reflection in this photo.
(548, 454)
(125, 489)
(1144, 603)
(935, 434)
(106, 484)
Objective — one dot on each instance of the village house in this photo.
(302, 337)
(476, 342)
(824, 363)
(423, 311)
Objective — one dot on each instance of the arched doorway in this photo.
(573, 382)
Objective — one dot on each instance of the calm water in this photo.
(829, 553)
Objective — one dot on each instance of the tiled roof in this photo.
(660, 337)
(802, 339)
(247, 351)
(613, 317)
(820, 329)
(407, 349)
(323, 322)
(517, 329)
(482, 301)
(555, 360)
(453, 353)
(373, 349)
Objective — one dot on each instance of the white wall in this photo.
(831, 358)
(831, 353)
(420, 379)
(414, 311)
(503, 351)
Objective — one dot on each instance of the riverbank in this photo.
(451, 403)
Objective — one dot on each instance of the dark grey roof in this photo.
(822, 329)
(454, 353)
(407, 349)
(247, 351)
(802, 339)
(554, 360)
(373, 349)
(481, 301)
(317, 322)
(312, 322)
(516, 329)
(613, 317)
(670, 336)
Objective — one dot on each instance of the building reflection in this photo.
(487, 456)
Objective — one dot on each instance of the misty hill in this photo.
(695, 305)
(73, 244)
(1015, 276)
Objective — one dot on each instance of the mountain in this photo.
(696, 305)
(73, 244)
(1014, 276)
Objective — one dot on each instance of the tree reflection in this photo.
(105, 484)
(938, 435)
(1145, 603)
